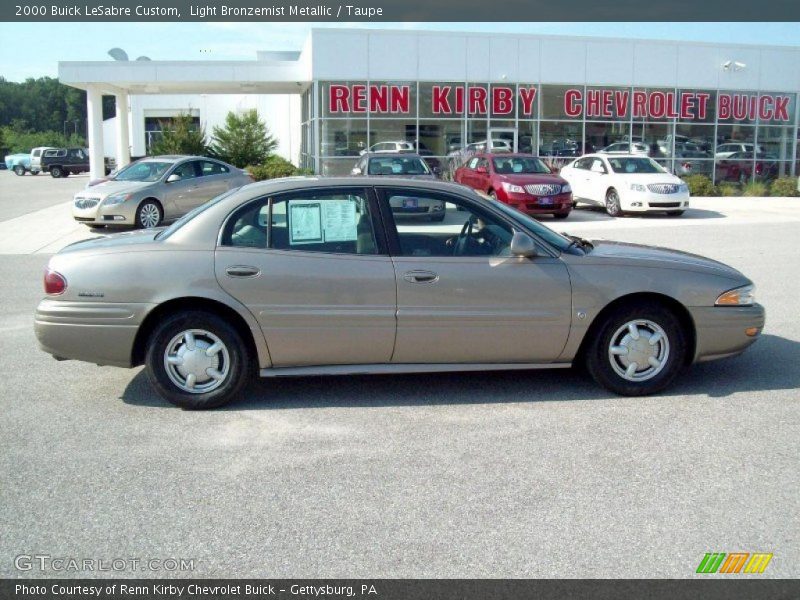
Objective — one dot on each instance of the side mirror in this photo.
(523, 245)
(355, 171)
(173, 178)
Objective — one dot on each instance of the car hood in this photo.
(529, 178)
(114, 241)
(106, 188)
(647, 178)
(625, 253)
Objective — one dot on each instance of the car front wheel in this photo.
(196, 360)
(638, 350)
(149, 214)
(613, 206)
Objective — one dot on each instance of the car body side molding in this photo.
(386, 368)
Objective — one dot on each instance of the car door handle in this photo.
(242, 271)
(421, 277)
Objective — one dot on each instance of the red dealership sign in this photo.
(592, 103)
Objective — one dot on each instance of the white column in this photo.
(94, 114)
(123, 154)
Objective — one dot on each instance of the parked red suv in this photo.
(519, 180)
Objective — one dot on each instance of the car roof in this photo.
(505, 155)
(294, 183)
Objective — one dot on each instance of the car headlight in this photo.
(114, 199)
(684, 187)
(513, 189)
(638, 187)
(741, 296)
(566, 189)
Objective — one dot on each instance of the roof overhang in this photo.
(188, 77)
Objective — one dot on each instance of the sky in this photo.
(240, 41)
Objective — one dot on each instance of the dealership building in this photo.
(726, 110)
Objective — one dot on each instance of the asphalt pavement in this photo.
(517, 474)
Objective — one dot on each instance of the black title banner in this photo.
(399, 10)
(395, 589)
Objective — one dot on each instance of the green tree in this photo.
(181, 136)
(244, 140)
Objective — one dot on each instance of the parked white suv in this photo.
(626, 183)
(399, 146)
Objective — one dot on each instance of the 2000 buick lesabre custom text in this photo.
(317, 276)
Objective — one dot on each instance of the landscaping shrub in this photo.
(699, 185)
(784, 186)
(755, 189)
(273, 167)
(728, 189)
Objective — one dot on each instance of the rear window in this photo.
(397, 165)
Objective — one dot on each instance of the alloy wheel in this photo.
(149, 215)
(612, 204)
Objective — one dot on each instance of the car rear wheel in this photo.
(613, 206)
(56, 172)
(149, 214)
(638, 350)
(563, 215)
(19, 170)
(196, 360)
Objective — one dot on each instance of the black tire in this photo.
(613, 207)
(560, 215)
(675, 213)
(56, 172)
(19, 170)
(239, 362)
(599, 361)
(146, 210)
(34, 172)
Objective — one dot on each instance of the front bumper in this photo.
(96, 332)
(535, 205)
(722, 330)
(650, 202)
(98, 214)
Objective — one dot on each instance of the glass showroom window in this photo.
(654, 104)
(694, 149)
(442, 100)
(560, 142)
(776, 141)
(528, 101)
(696, 106)
(440, 136)
(606, 103)
(653, 139)
(343, 137)
(601, 135)
(527, 137)
(393, 134)
(552, 101)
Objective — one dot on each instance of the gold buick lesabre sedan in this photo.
(310, 276)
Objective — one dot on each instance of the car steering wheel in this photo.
(460, 245)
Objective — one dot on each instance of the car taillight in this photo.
(54, 283)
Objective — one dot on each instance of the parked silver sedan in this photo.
(315, 276)
(153, 190)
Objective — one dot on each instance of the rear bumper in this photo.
(722, 330)
(96, 332)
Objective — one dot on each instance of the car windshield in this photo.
(554, 239)
(635, 165)
(397, 165)
(164, 234)
(146, 170)
(518, 164)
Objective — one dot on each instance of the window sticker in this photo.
(305, 222)
(339, 221)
